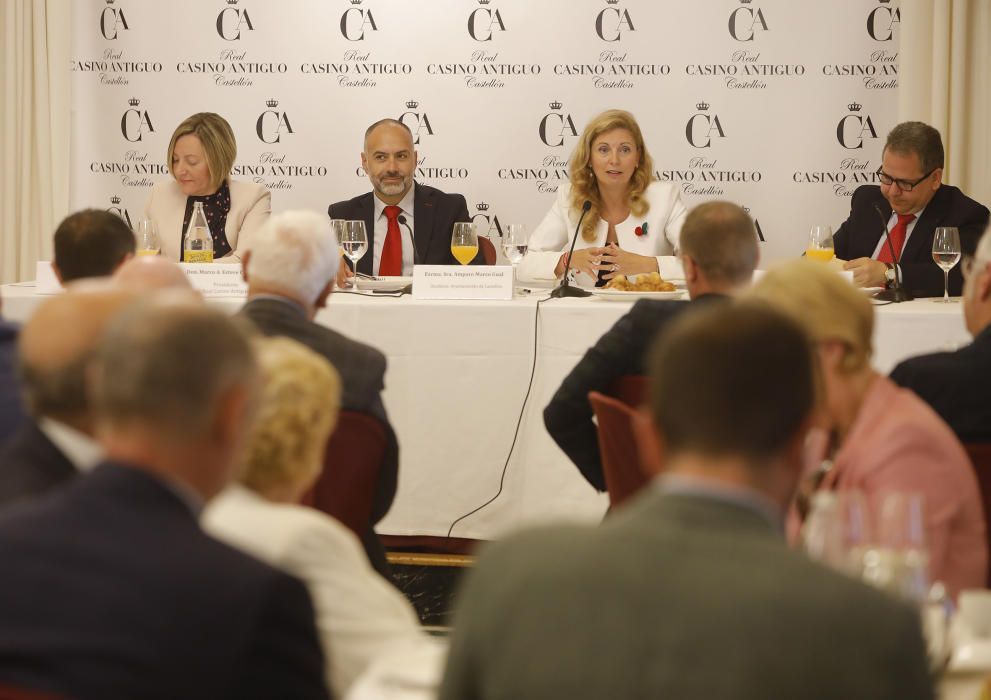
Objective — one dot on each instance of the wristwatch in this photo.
(889, 274)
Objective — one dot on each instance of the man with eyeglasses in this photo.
(957, 384)
(913, 202)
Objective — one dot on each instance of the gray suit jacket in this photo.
(676, 597)
(362, 367)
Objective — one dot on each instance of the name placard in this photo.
(216, 279)
(463, 282)
(45, 280)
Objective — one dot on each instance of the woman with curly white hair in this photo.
(360, 616)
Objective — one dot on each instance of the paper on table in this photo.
(45, 280)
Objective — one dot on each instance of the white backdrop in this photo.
(780, 105)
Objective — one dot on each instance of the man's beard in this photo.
(390, 189)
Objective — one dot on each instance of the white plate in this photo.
(383, 284)
(871, 291)
(616, 295)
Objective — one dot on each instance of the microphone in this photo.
(402, 220)
(897, 293)
(565, 289)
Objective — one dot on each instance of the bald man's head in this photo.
(149, 273)
(56, 346)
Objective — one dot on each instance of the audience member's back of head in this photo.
(149, 273)
(825, 304)
(295, 252)
(731, 381)
(57, 344)
(166, 363)
(298, 408)
(91, 243)
(720, 237)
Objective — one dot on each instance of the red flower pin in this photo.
(641, 230)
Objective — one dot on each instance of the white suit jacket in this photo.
(251, 205)
(553, 235)
(360, 616)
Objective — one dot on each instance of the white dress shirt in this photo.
(80, 449)
(382, 229)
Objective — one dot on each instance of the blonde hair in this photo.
(827, 306)
(218, 141)
(298, 407)
(583, 183)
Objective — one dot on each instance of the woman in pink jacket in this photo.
(882, 438)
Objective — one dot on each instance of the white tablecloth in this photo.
(457, 377)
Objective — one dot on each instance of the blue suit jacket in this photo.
(620, 351)
(11, 408)
(110, 589)
(956, 384)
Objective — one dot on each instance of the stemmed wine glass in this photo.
(146, 238)
(946, 254)
(820, 244)
(837, 531)
(514, 244)
(354, 241)
(901, 538)
(464, 242)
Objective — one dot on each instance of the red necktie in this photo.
(897, 235)
(391, 262)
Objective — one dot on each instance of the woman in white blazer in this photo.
(360, 617)
(200, 157)
(633, 223)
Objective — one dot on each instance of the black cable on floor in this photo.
(519, 422)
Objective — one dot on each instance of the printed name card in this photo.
(463, 282)
(216, 279)
(45, 281)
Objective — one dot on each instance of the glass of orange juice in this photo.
(464, 242)
(820, 244)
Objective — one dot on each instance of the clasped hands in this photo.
(610, 258)
(867, 272)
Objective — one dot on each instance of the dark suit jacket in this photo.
(111, 590)
(31, 465)
(434, 216)
(362, 370)
(568, 417)
(859, 234)
(11, 406)
(675, 596)
(956, 384)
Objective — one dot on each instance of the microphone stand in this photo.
(408, 289)
(412, 237)
(565, 289)
(897, 293)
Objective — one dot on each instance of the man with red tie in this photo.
(407, 223)
(911, 202)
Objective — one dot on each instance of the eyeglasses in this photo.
(903, 185)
